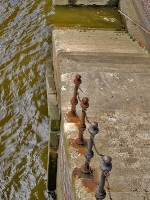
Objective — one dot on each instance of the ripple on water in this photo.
(24, 125)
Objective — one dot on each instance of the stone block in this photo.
(51, 101)
(50, 84)
(54, 139)
(52, 170)
(49, 68)
(54, 118)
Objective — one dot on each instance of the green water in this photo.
(25, 46)
(90, 17)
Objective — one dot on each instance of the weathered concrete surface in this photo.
(86, 2)
(139, 11)
(116, 78)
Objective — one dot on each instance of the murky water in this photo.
(25, 46)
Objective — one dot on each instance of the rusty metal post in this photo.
(84, 104)
(105, 166)
(74, 100)
(93, 130)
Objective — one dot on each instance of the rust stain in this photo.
(86, 180)
(89, 184)
(80, 148)
(76, 172)
(73, 118)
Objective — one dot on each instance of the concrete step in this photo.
(83, 40)
(106, 61)
(118, 82)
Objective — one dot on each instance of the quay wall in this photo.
(137, 21)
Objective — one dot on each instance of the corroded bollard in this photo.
(93, 130)
(84, 104)
(74, 100)
(105, 166)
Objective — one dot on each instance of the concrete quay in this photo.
(115, 73)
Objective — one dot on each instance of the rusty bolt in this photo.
(77, 80)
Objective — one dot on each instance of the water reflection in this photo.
(25, 47)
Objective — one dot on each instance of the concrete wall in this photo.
(86, 2)
(65, 186)
(138, 11)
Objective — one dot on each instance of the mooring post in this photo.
(74, 100)
(84, 104)
(93, 130)
(105, 166)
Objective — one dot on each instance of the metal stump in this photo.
(93, 130)
(105, 166)
(84, 104)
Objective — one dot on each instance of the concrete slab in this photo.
(116, 79)
(83, 40)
